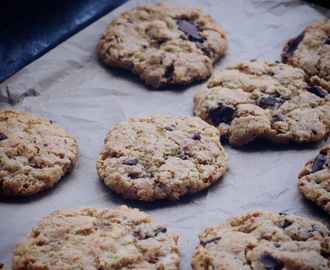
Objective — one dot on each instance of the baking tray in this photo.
(70, 86)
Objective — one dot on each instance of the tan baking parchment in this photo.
(72, 88)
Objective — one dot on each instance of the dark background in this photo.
(30, 28)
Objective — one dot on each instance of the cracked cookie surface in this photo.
(263, 240)
(163, 156)
(34, 153)
(163, 44)
(314, 179)
(264, 99)
(97, 238)
(310, 50)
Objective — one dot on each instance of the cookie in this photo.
(34, 153)
(314, 179)
(263, 99)
(97, 238)
(310, 51)
(164, 44)
(263, 240)
(152, 157)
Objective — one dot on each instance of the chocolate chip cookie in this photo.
(34, 153)
(310, 51)
(152, 157)
(264, 99)
(163, 44)
(97, 238)
(314, 179)
(263, 240)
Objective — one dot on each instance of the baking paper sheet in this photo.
(72, 88)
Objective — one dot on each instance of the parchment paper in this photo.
(72, 88)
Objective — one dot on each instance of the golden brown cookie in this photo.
(263, 240)
(34, 153)
(97, 238)
(161, 156)
(163, 44)
(314, 179)
(264, 99)
(310, 50)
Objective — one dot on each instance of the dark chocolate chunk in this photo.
(133, 176)
(131, 162)
(267, 101)
(196, 137)
(271, 263)
(215, 239)
(317, 90)
(318, 163)
(169, 72)
(222, 114)
(293, 46)
(45, 144)
(183, 157)
(3, 136)
(276, 244)
(286, 223)
(160, 230)
(168, 129)
(206, 51)
(327, 40)
(314, 131)
(277, 117)
(191, 30)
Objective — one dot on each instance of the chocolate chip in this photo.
(45, 144)
(133, 176)
(206, 51)
(267, 101)
(196, 137)
(215, 239)
(314, 228)
(169, 71)
(222, 114)
(253, 60)
(277, 117)
(160, 230)
(168, 129)
(327, 40)
(318, 163)
(3, 137)
(191, 30)
(286, 223)
(131, 162)
(314, 131)
(271, 263)
(183, 157)
(293, 46)
(317, 90)
(276, 244)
